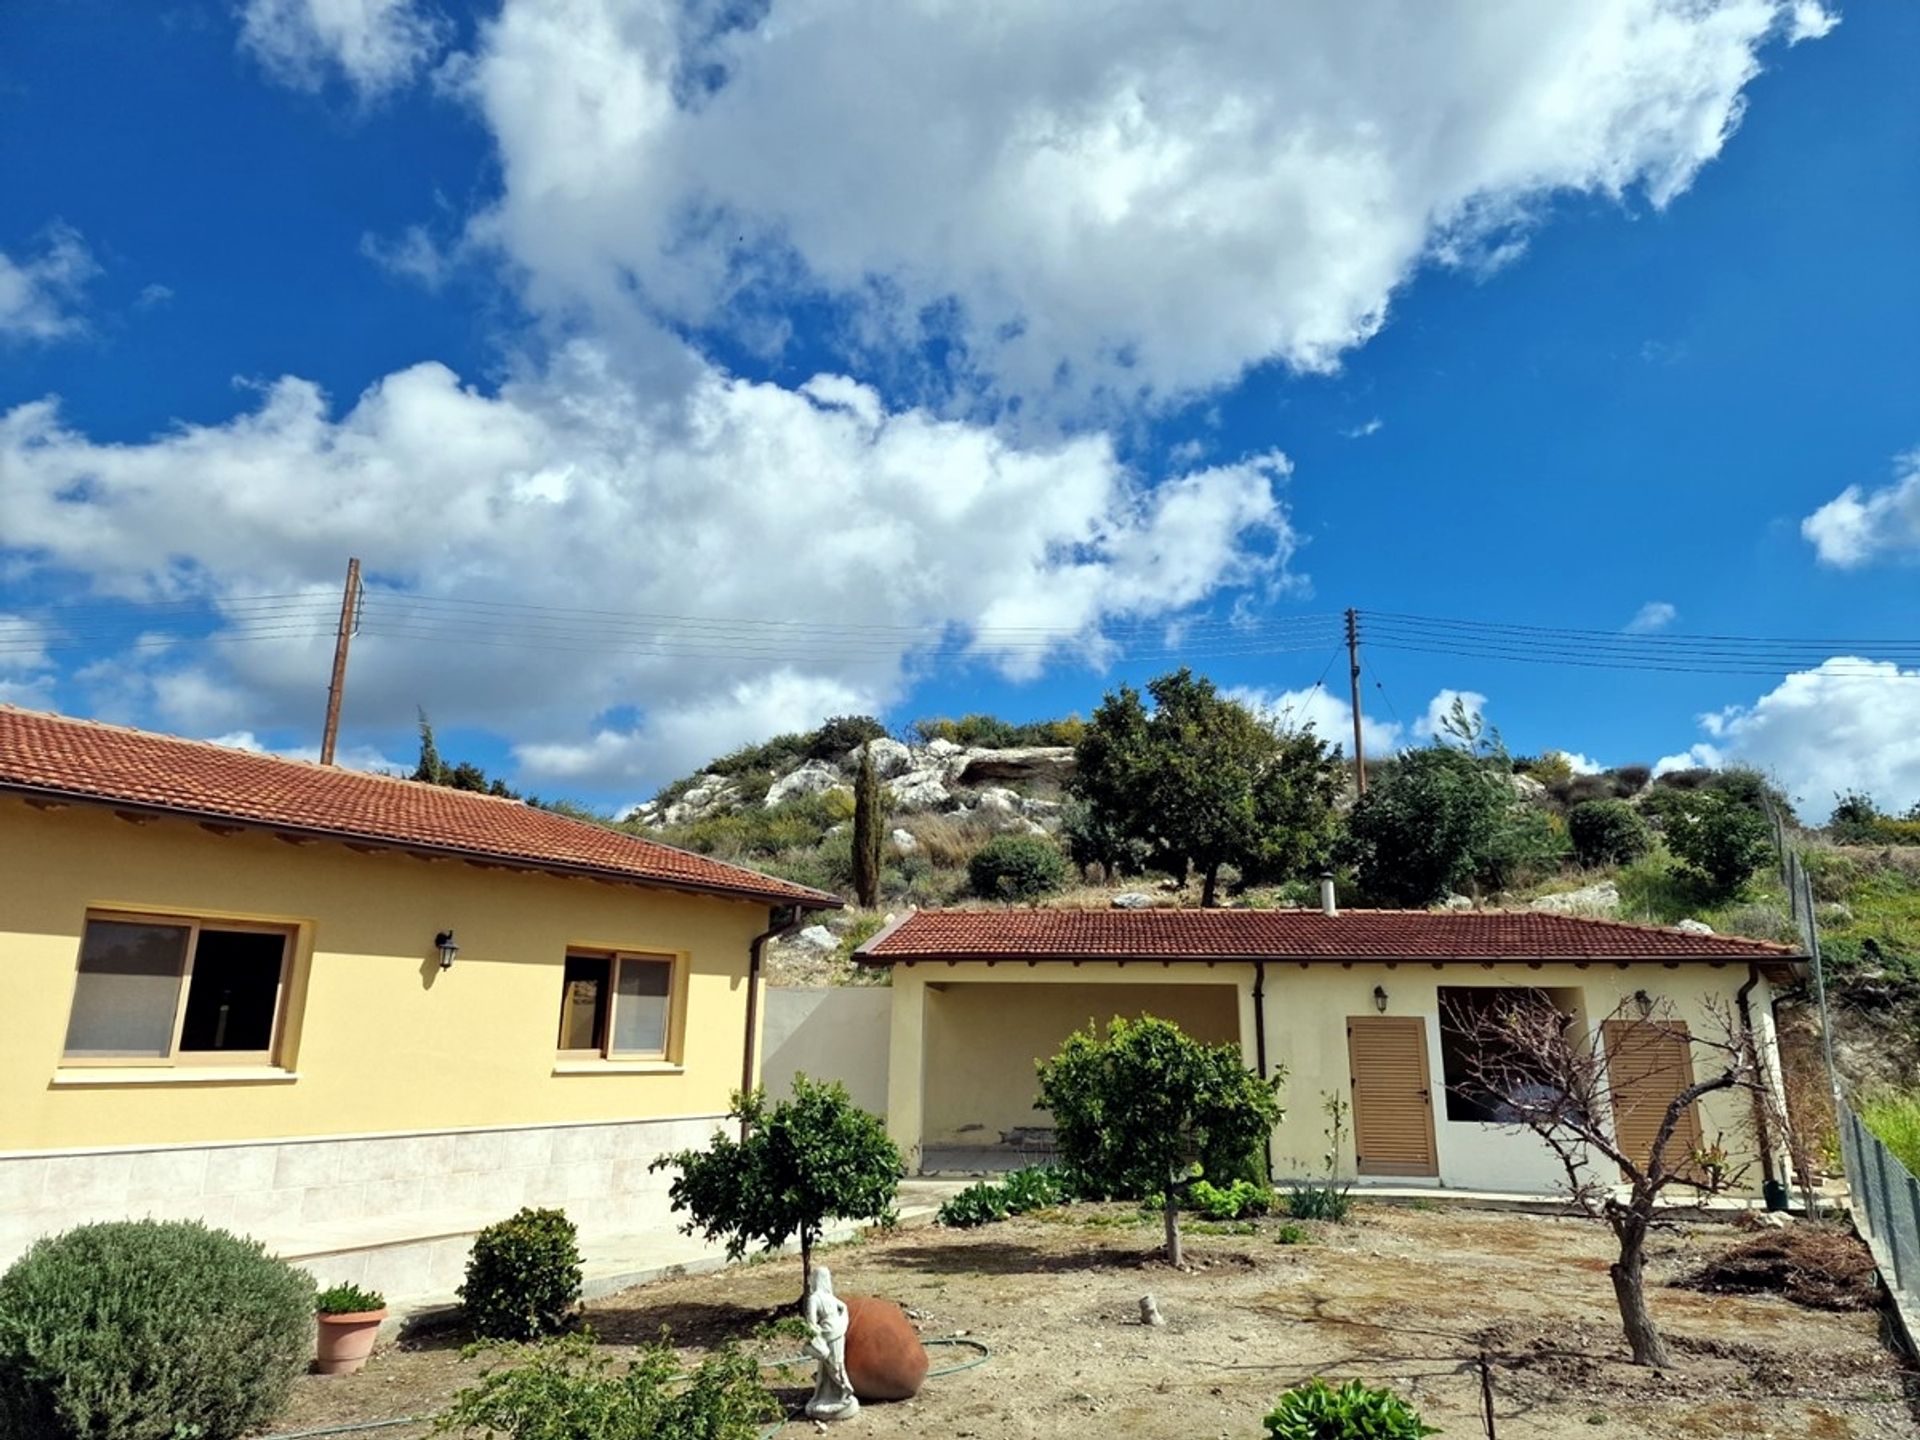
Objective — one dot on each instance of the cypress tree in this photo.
(866, 831)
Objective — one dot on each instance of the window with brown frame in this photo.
(170, 990)
(616, 1007)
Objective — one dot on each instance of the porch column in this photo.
(906, 1064)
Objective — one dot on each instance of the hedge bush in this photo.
(149, 1330)
(1317, 1411)
(1016, 867)
(523, 1276)
(1608, 832)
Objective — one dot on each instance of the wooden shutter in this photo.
(1648, 1063)
(1392, 1095)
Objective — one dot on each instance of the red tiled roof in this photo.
(82, 760)
(1292, 935)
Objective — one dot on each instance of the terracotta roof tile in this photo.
(83, 760)
(1293, 935)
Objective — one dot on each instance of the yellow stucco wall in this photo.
(977, 1088)
(380, 1038)
(1306, 1013)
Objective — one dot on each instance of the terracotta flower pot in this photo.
(346, 1341)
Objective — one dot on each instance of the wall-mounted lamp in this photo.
(1644, 1002)
(1380, 999)
(444, 942)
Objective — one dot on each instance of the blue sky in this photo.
(916, 363)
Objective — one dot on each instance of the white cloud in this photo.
(1432, 725)
(1848, 724)
(1857, 525)
(691, 494)
(347, 757)
(39, 293)
(26, 669)
(1097, 213)
(375, 45)
(1330, 717)
(1361, 432)
(1810, 20)
(1654, 615)
(411, 255)
(1582, 764)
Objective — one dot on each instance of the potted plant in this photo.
(349, 1319)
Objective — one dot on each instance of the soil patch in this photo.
(1404, 1298)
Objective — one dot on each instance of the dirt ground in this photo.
(1403, 1297)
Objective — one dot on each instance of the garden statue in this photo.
(826, 1317)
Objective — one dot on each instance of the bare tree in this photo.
(1524, 1063)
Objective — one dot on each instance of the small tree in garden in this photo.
(1147, 1109)
(802, 1162)
(1719, 837)
(1537, 1072)
(1607, 832)
(867, 816)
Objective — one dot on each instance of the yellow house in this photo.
(1363, 1006)
(356, 1017)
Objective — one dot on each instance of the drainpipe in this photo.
(781, 920)
(1770, 1186)
(1260, 1044)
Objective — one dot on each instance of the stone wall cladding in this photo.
(396, 1211)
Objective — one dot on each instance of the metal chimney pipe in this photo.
(1327, 905)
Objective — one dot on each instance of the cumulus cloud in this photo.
(1848, 724)
(1138, 208)
(1858, 526)
(374, 45)
(40, 293)
(1654, 615)
(580, 489)
(1432, 725)
(347, 757)
(1330, 717)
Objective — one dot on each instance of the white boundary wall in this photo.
(841, 1032)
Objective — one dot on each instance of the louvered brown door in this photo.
(1648, 1063)
(1392, 1095)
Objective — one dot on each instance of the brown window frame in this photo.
(605, 1020)
(194, 1059)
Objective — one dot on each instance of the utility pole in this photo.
(337, 688)
(1353, 676)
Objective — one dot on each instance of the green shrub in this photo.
(1291, 1234)
(149, 1330)
(1238, 1201)
(842, 735)
(565, 1388)
(1035, 1187)
(523, 1277)
(1016, 867)
(1719, 837)
(1318, 1200)
(1317, 1411)
(348, 1300)
(1607, 832)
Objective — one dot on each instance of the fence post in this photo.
(1913, 1206)
(1889, 1231)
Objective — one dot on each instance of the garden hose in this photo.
(981, 1358)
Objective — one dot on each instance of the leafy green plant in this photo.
(1429, 827)
(1291, 1234)
(565, 1389)
(981, 1203)
(149, 1330)
(1138, 1109)
(1034, 1187)
(1720, 838)
(1607, 832)
(1329, 1198)
(1238, 1201)
(1317, 1411)
(1894, 1116)
(348, 1300)
(523, 1276)
(1016, 867)
(809, 1159)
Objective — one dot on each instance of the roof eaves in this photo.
(804, 897)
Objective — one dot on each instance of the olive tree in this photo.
(1148, 1109)
(797, 1164)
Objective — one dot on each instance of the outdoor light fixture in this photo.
(1380, 999)
(444, 940)
(1644, 1001)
